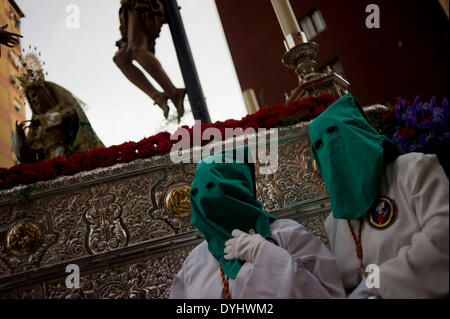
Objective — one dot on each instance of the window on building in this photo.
(17, 105)
(308, 27)
(313, 24)
(14, 18)
(319, 22)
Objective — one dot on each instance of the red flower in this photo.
(128, 145)
(108, 157)
(11, 180)
(303, 115)
(161, 136)
(146, 150)
(272, 122)
(252, 124)
(58, 162)
(79, 156)
(3, 172)
(319, 109)
(265, 111)
(308, 102)
(326, 99)
(388, 117)
(71, 166)
(127, 155)
(89, 163)
(408, 132)
(45, 170)
(29, 176)
(163, 146)
(285, 114)
(231, 123)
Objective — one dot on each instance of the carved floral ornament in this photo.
(177, 201)
(23, 238)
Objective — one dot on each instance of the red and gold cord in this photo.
(226, 283)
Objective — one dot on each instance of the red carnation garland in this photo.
(267, 117)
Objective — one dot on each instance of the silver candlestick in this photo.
(300, 55)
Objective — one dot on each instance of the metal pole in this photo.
(187, 66)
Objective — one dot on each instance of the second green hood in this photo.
(223, 198)
(350, 155)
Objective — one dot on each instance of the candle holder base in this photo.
(301, 59)
(319, 83)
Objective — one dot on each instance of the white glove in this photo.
(243, 246)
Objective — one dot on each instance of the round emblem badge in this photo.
(383, 214)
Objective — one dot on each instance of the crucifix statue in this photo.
(140, 25)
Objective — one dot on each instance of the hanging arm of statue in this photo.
(7, 38)
(22, 143)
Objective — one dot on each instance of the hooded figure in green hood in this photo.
(350, 155)
(389, 211)
(223, 198)
(247, 252)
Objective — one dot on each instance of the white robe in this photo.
(412, 253)
(300, 267)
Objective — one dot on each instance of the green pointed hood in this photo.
(223, 198)
(350, 156)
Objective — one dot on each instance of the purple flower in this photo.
(432, 101)
(428, 119)
(419, 109)
(426, 138)
(400, 107)
(438, 119)
(445, 107)
(400, 142)
(410, 116)
(426, 123)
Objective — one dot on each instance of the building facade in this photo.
(405, 57)
(12, 106)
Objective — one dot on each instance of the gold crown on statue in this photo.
(31, 69)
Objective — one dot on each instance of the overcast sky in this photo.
(80, 59)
